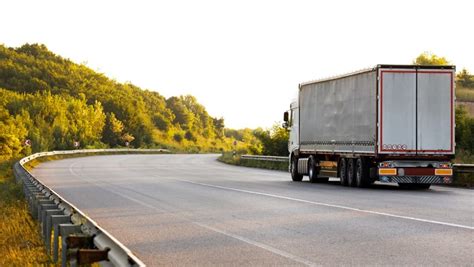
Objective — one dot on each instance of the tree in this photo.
(59, 102)
(274, 140)
(427, 58)
(183, 116)
(465, 79)
(113, 128)
(219, 126)
(464, 130)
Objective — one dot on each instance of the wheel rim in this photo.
(293, 168)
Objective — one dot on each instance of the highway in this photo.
(191, 210)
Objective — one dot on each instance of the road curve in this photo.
(193, 210)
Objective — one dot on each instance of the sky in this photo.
(244, 59)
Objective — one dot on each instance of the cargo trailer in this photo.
(390, 123)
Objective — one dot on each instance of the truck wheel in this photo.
(295, 176)
(312, 170)
(362, 173)
(351, 179)
(343, 171)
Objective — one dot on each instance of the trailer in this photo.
(389, 123)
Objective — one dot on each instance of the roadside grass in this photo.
(229, 158)
(464, 94)
(20, 241)
(464, 179)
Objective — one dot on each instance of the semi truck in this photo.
(389, 123)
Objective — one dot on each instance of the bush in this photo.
(178, 137)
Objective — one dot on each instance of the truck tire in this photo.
(343, 171)
(312, 170)
(362, 173)
(295, 176)
(351, 177)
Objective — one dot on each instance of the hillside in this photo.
(53, 102)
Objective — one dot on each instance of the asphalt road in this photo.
(192, 210)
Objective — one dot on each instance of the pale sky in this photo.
(243, 60)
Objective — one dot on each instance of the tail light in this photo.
(444, 172)
(387, 171)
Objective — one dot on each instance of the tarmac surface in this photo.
(191, 210)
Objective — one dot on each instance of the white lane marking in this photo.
(241, 238)
(260, 245)
(332, 205)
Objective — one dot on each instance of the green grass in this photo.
(229, 158)
(464, 179)
(20, 241)
(464, 94)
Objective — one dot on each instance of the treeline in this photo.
(464, 120)
(54, 102)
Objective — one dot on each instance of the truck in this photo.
(389, 123)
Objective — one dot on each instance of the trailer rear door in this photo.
(435, 111)
(416, 111)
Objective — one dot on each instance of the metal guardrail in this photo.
(463, 168)
(265, 158)
(83, 240)
(458, 168)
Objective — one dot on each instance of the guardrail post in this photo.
(80, 250)
(47, 226)
(55, 221)
(37, 204)
(64, 231)
(87, 256)
(45, 206)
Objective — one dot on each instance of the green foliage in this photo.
(230, 158)
(465, 79)
(49, 121)
(464, 131)
(464, 94)
(113, 129)
(427, 58)
(178, 137)
(274, 141)
(54, 102)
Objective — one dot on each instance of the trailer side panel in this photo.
(339, 115)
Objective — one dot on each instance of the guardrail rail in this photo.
(83, 241)
(265, 158)
(463, 168)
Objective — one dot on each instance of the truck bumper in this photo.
(424, 179)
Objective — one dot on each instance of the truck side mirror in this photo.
(285, 116)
